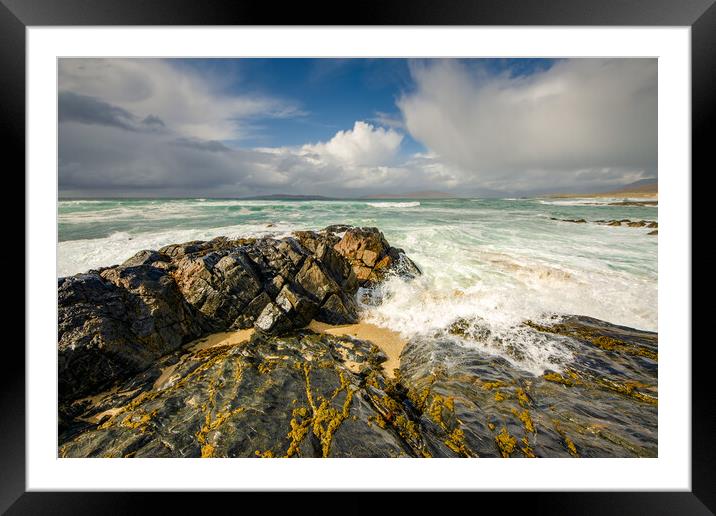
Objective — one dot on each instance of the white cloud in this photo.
(194, 105)
(598, 117)
(354, 162)
(364, 145)
(149, 127)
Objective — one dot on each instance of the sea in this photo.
(494, 262)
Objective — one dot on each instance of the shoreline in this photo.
(647, 196)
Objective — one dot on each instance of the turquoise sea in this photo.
(500, 261)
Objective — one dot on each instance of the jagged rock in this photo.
(217, 284)
(300, 309)
(576, 221)
(117, 323)
(315, 281)
(629, 223)
(272, 320)
(371, 257)
(147, 257)
(335, 311)
(251, 312)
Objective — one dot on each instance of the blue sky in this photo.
(333, 93)
(345, 127)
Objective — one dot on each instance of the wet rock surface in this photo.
(629, 223)
(603, 403)
(300, 395)
(118, 322)
(614, 222)
(130, 386)
(315, 395)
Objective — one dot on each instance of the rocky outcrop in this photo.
(371, 257)
(300, 395)
(576, 221)
(614, 222)
(116, 321)
(629, 223)
(601, 403)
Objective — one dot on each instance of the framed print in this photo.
(389, 252)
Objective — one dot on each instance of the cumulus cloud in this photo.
(109, 160)
(581, 122)
(364, 145)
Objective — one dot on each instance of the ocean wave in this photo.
(495, 303)
(413, 204)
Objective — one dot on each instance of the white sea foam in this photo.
(77, 256)
(496, 287)
(393, 205)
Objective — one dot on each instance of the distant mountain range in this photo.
(644, 186)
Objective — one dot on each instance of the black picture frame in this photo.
(17, 15)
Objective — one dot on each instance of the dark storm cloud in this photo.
(72, 107)
(89, 110)
(153, 121)
(203, 145)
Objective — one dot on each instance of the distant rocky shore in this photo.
(650, 224)
(139, 376)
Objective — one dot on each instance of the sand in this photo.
(389, 342)
(220, 339)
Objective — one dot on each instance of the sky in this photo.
(354, 127)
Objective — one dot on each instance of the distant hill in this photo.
(412, 195)
(647, 188)
(643, 186)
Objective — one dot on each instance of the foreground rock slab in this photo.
(300, 395)
(602, 403)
